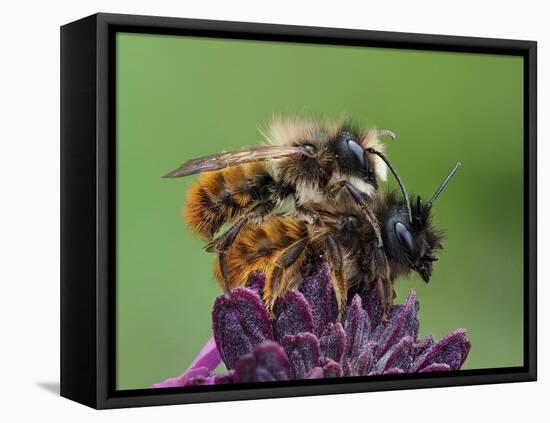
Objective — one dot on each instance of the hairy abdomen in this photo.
(258, 247)
(220, 197)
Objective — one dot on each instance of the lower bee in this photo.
(286, 247)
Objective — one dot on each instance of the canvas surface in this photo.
(183, 97)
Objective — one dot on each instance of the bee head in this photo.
(411, 244)
(352, 157)
(410, 239)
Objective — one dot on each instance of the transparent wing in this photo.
(233, 158)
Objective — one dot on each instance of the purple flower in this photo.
(304, 340)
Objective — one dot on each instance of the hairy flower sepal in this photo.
(305, 341)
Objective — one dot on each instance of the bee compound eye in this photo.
(404, 236)
(357, 152)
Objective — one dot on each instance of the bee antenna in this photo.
(399, 181)
(386, 133)
(443, 185)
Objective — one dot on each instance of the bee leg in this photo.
(382, 286)
(380, 274)
(224, 271)
(380, 261)
(336, 263)
(370, 216)
(221, 245)
(224, 241)
(288, 257)
(309, 213)
(388, 297)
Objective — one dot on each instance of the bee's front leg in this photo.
(277, 284)
(360, 201)
(221, 244)
(254, 215)
(335, 257)
(384, 280)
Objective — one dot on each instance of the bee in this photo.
(286, 248)
(301, 163)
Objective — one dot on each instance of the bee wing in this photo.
(233, 158)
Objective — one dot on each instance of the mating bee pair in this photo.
(310, 194)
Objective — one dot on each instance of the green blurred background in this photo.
(184, 97)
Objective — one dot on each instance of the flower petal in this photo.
(239, 322)
(206, 361)
(268, 362)
(333, 342)
(402, 321)
(318, 291)
(357, 328)
(372, 300)
(293, 315)
(183, 379)
(451, 350)
(316, 373)
(393, 371)
(367, 360)
(422, 346)
(200, 380)
(221, 379)
(256, 282)
(303, 352)
(209, 356)
(435, 367)
(346, 367)
(399, 356)
(331, 368)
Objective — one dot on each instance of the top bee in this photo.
(301, 162)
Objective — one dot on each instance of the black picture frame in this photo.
(88, 215)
